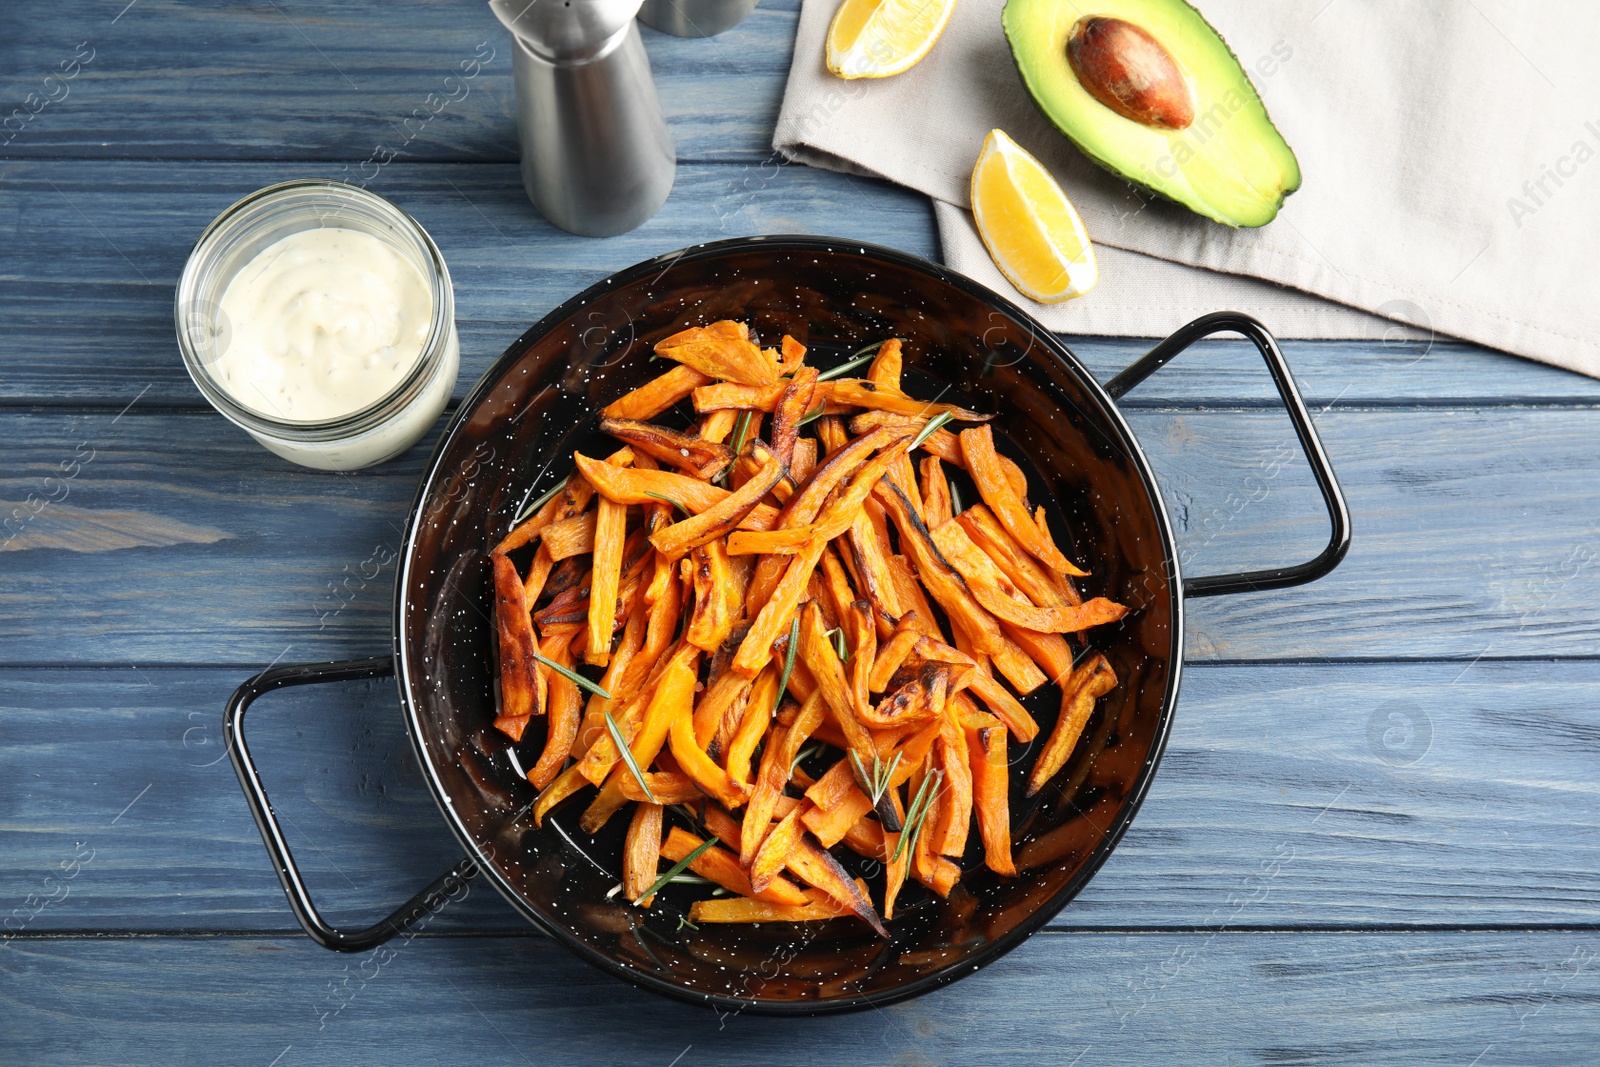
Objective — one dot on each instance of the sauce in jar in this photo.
(321, 323)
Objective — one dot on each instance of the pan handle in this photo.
(1310, 443)
(446, 886)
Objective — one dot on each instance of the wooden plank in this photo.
(1337, 797)
(180, 540)
(260, 82)
(1366, 1000)
(119, 233)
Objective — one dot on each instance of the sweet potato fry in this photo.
(723, 517)
(990, 800)
(627, 486)
(668, 787)
(746, 910)
(656, 396)
(518, 695)
(570, 537)
(711, 779)
(941, 580)
(754, 719)
(786, 542)
(936, 503)
(565, 710)
(816, 867)
(792, 407)
(715, 426)
(688, 452)
(993, 589)
(1089, 682)
(983, 463)
(884, 371)
(641, 850)
(610, 529)
(716, 598)
(644, 726)
(568, 783)
(804, 459)
(720, 866)
(822, 660)
(837, 802)
(776, 848)
(777, 764)
(1005, 706)
(955, 810)
(777, 610)
(861, 393)
(863, 638)
(722, 350)
(1043, 586)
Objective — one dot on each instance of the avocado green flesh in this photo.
(1230, 164)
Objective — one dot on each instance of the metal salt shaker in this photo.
(597, 158)
(694, 18)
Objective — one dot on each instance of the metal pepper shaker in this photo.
(597, 158)
(694, 18)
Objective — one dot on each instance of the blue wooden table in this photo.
(1374, 839)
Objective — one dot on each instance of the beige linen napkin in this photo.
(1448, 149)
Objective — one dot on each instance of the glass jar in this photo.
(377, 432)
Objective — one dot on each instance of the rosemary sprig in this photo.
(668, 500)
(955, 500)
(804, 754)
(845, 368)
(678, 868)
(927, 431)
(632, 764)
(917, 813)
(684, 920)
(691, 879)
(544, 498)
(840, 649)
(788, 665)
(573, 676)
(741, 430)
(813, 415)
(877, 783)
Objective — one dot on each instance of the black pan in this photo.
(514, 436)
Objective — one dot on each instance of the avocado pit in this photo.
(1127, 70)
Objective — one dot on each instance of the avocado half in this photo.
(1148, 90)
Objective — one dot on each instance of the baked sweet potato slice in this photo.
(792, 407)
(722, 350)
(657, 395)
(716, 598)
(627, 486)
(641, 851)
(610, 533)
(884, 371)
(942, 581)
(1089, 682)
(815, 866)
(991, 802)
(688, 452)
(565, 712)
(518, 693)
(722, 867)
(822, 660)
(723, 517)
(983, 463)
(861, 393)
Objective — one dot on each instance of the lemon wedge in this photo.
(878, 38)
(1031, 229)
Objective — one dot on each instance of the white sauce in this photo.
(321, 324)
